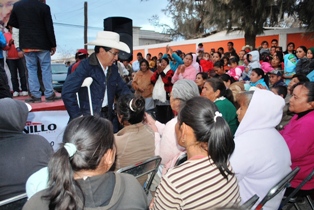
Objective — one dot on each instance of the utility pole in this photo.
(85, 25)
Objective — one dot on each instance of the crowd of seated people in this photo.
(251, 126)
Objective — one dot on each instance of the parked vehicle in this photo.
(59, 74)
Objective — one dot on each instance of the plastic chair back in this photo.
(181, 159)
(296, 190)
(250, 203)
(142, 168)
(16, 202)
(282, 184)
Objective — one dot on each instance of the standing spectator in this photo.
(21, 154)
(231, 50)
(264, 47)
(175, 59)
(274, 42)
(4, 86)
(162, 87)
(200, 47)
(16, 66)
(107, 82)
(38, 43)
(80, 55)
(186, 70)
(136, 64)
(143, 86)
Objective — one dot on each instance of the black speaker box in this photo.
(124, 27)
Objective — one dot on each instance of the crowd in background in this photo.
(243, 118)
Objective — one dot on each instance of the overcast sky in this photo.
(68, 18)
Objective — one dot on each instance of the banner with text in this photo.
(49, 124)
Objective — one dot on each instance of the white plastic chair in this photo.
(86, 83)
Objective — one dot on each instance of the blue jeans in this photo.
(44, 59)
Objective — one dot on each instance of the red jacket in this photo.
(207, 65)
(166, 79)
(12, 52)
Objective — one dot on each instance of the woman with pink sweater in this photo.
(186, 70)
(166, 145)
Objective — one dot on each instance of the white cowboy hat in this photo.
(109, 39)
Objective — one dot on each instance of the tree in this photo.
(196, 18)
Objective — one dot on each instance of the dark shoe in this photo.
(32, 99)
(52, 98)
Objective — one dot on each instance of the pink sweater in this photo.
(299, 135)
(189, 73)
(166, 146)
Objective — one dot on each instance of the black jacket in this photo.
(33, 18)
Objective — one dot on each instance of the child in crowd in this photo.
(258, 79)
(265, 62)
(252, 63)
(235, 70)
(206, 63)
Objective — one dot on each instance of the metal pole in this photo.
(85, 24)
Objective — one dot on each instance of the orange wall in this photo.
(298, 38)
(306, 40)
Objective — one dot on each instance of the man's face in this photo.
(107, 58)
(274, 43)
(139, 57)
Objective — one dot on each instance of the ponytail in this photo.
(209, 127)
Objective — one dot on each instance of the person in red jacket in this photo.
(206, 63)
(16, 65)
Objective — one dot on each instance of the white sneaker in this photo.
(24, 93)
(15, 94)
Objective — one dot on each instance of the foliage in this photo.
(196, 18)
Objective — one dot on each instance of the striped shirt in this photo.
(196, 184)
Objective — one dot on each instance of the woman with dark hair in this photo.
(258, 79)
(290, 49)
(303, 64)
(261, 157)
(200, 80)
(162, 87)
(136, 141)
(142, 85)
(287, 115)
(277, 61)
(205, 180)
(219, 68)
(216, 57)
(79, 175)
(299, 134)
(216, 91)
(166, 146)
(187, 70)
(227, 79)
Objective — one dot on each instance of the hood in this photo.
(13, 115)
(264, 111)
(255, 56)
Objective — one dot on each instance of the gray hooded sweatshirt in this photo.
(20, 154)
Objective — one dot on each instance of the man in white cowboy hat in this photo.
(107, 83)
